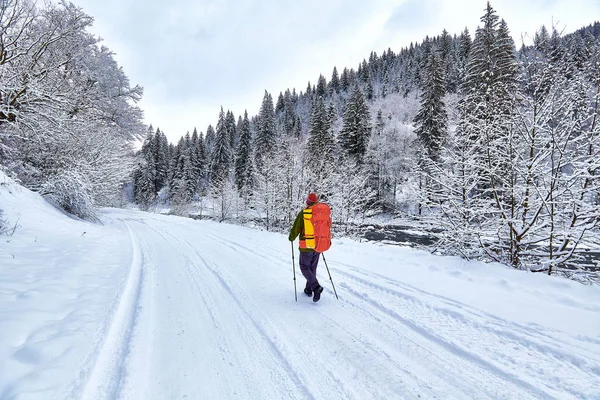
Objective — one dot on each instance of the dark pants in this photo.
(308, 266)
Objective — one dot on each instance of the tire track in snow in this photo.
(291, 372)
(371, 346)
(105, 377)
(357, 352)
(409, 293)
(201, 261)
(459, 327)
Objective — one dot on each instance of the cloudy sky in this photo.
(192, 56)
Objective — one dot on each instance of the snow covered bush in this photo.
(3, 223)
(71, 191)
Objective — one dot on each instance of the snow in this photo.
(151, 306)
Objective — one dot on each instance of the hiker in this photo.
(309, 258)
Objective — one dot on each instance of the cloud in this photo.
(191, 57)
(412, 15)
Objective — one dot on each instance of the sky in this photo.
(192, 57)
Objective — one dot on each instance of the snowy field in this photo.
(157, 307)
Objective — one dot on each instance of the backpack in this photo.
(317, 227)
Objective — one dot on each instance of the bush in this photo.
(3, 223)
(71, 191)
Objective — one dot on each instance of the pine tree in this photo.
(209, 139)
(221, 153)
(144, 175)
(161, 160)
(385, 86)
(198, 158)
(489, 87)
(431, 121)
(320, 142)
(356, 129)
(231, 129)
(265, 136)
(243, 159)
(345, 80)
(321, 86)
(184, 185)
(289, 115)
(335, 81)
(280, 104)
(297, 129)
(369, 90)
(481, 155)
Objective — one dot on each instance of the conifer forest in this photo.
(488, 145)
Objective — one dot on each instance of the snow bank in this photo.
(59, 281)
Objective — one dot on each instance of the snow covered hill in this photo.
(158, 307)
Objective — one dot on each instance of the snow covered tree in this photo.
(321, 86)
(184, 181)
(160, 150)
(335, 81)
(199, 160)
(431, 121)
(209, 139)
(479, 173)
(264, 144)
(67, 110)
(321, 145)
(345, 80)
(221, 153)
(356, 129)
(243, 159)
(143, 179)
(231, 129)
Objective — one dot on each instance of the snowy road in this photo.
(158, 307)
(208, 312)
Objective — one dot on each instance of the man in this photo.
(309, 258)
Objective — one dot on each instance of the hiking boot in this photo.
(317, 295)
(307, 291)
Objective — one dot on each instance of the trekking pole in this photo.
(336, 296)
(294, 269)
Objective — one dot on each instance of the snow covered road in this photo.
(201, 310)
(216, 318)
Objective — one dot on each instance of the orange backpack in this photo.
(317, 227)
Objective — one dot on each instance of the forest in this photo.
(491, 146)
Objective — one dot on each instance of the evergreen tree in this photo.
(289, 115)
(356, 129)
(321, 86)
(162, 161)
(431, 121)
(209, 139)
(297, 129)
(320, 142)
(198, 158)
(145, 173)
(489, 87)
(280, 104)
(265, 136)
(335, 81)
(231, 129)
(369, 90)
(243, 159)
(385, 86)
(221, 153)
(184, 185)
(345, 80)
